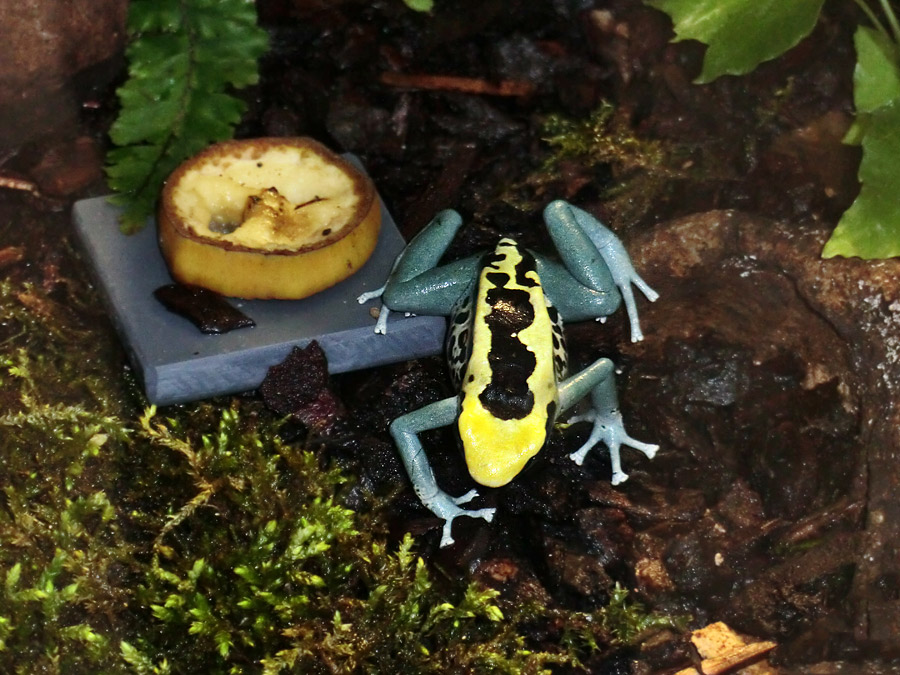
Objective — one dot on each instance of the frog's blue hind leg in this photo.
(573, 300)
(579, 238)
(415, 284)
(405, 430)
(598, 380)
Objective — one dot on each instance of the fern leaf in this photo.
(183, 57)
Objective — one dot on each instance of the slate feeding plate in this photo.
(178, 363)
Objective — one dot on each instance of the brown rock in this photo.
(45, 43)
(580, 573)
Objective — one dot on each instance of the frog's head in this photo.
(509, 395)
(497, 450)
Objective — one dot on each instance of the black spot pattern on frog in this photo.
(551, 417)
(526, 264)
(560, 354)
(458, 344)
(508, 395)
(499, 279)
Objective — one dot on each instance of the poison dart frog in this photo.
(506, 349)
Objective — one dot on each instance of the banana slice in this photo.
(267, 218)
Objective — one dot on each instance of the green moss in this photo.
(60, 539)
(601, 138)
(583, 151)
(196, 541)
(262, 565)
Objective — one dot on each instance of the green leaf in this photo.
(870, 228)
(740, 34)
(154, 16)
(876, 80)
(183, 58)
(420, 5)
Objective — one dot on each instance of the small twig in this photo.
(466, 85)
(10, 255)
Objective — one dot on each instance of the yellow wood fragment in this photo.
(715, 640)
(723, 652)
(743, 658)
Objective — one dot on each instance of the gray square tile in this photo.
(178, 363)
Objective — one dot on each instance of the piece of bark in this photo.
(209, 311)
(299, 387)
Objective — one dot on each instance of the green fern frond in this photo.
(183, 57)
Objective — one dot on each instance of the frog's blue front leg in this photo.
(405, 430)
(415, 283)
(598, 380)
(580, 238)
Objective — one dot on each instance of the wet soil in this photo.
(767, 375)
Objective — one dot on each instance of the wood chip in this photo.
(724, 651)
(12, 182)
(715, 640)
(744, 656)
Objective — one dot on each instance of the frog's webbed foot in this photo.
(447, 508)
(624, 284)
(381, 324)
(623, 273)
(405, 430)
(575, 231)
(608, 427)
(598, 381)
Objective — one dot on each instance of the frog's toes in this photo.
(579, 455)
(381, 324)
(446, 532)
(446, 536)
(649, 449)
(487, 514)
(370, 295)
(618, 477)
(463, 499)
(648, 292)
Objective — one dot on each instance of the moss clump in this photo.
(61, 541)
(602, 150)
(263, 566)
(199, 542)
(601, 138)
